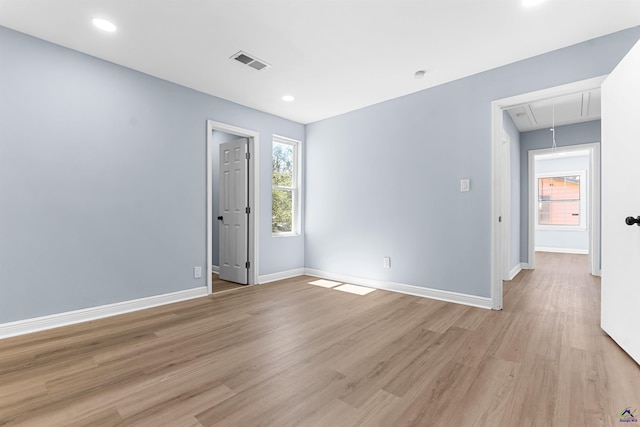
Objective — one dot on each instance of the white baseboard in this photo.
(517, 269)
(437, 294)
(563, 250)
(215, 269)
(281, 275)
(37, 324)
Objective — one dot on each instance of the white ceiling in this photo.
(334, 56)
(564, 110)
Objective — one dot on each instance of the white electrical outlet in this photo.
(197, 272)
(386, 262)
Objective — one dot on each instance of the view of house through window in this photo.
(284, 182)
(559, 200)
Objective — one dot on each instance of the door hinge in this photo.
(499, 219)
(247, 156)
(247, 210)
(247, 264)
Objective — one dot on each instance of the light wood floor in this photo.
(289, 354)
(218, 285)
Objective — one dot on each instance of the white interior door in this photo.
(620, 316)
(233, 217)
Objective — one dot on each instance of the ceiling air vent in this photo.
(249, 60)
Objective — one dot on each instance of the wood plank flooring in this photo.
(218, 285)
(292, 354)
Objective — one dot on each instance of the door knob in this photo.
(631, 220)
(220, 218)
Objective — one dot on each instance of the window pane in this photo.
(559, 200)
(282, 211)
(560, 212)
(572, 213)
(282, 164)
(545, 187)
(559, 188)
(284, 195)
(572, 188)
(544, 214)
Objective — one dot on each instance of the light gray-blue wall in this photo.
(576, 134)
(102, 181)
(384, 180)
(565, 240)
(514, 187)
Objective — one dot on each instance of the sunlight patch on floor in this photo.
(354, 289)
(325, 283)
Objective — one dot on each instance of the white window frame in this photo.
(295, 189)
(583, 201)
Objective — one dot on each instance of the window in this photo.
(284, 181)
(561, 200)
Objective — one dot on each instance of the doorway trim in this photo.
(254, 185)
(505, 205)
(593, 222)
(499, 233)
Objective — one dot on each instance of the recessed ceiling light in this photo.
(531, 3)
(104, 25)
(288, 98)
(420, 74)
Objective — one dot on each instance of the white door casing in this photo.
(254, 197)
(505, 211)
(620, 315)
(593, 205)
(233, 217)
(497, 130)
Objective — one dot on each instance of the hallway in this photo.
(555, 328)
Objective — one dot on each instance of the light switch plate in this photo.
(465, 185)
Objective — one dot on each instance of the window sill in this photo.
(560, 228)
(292, 234)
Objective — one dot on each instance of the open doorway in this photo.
(501, 224)
(564, 202)
(219, 135)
